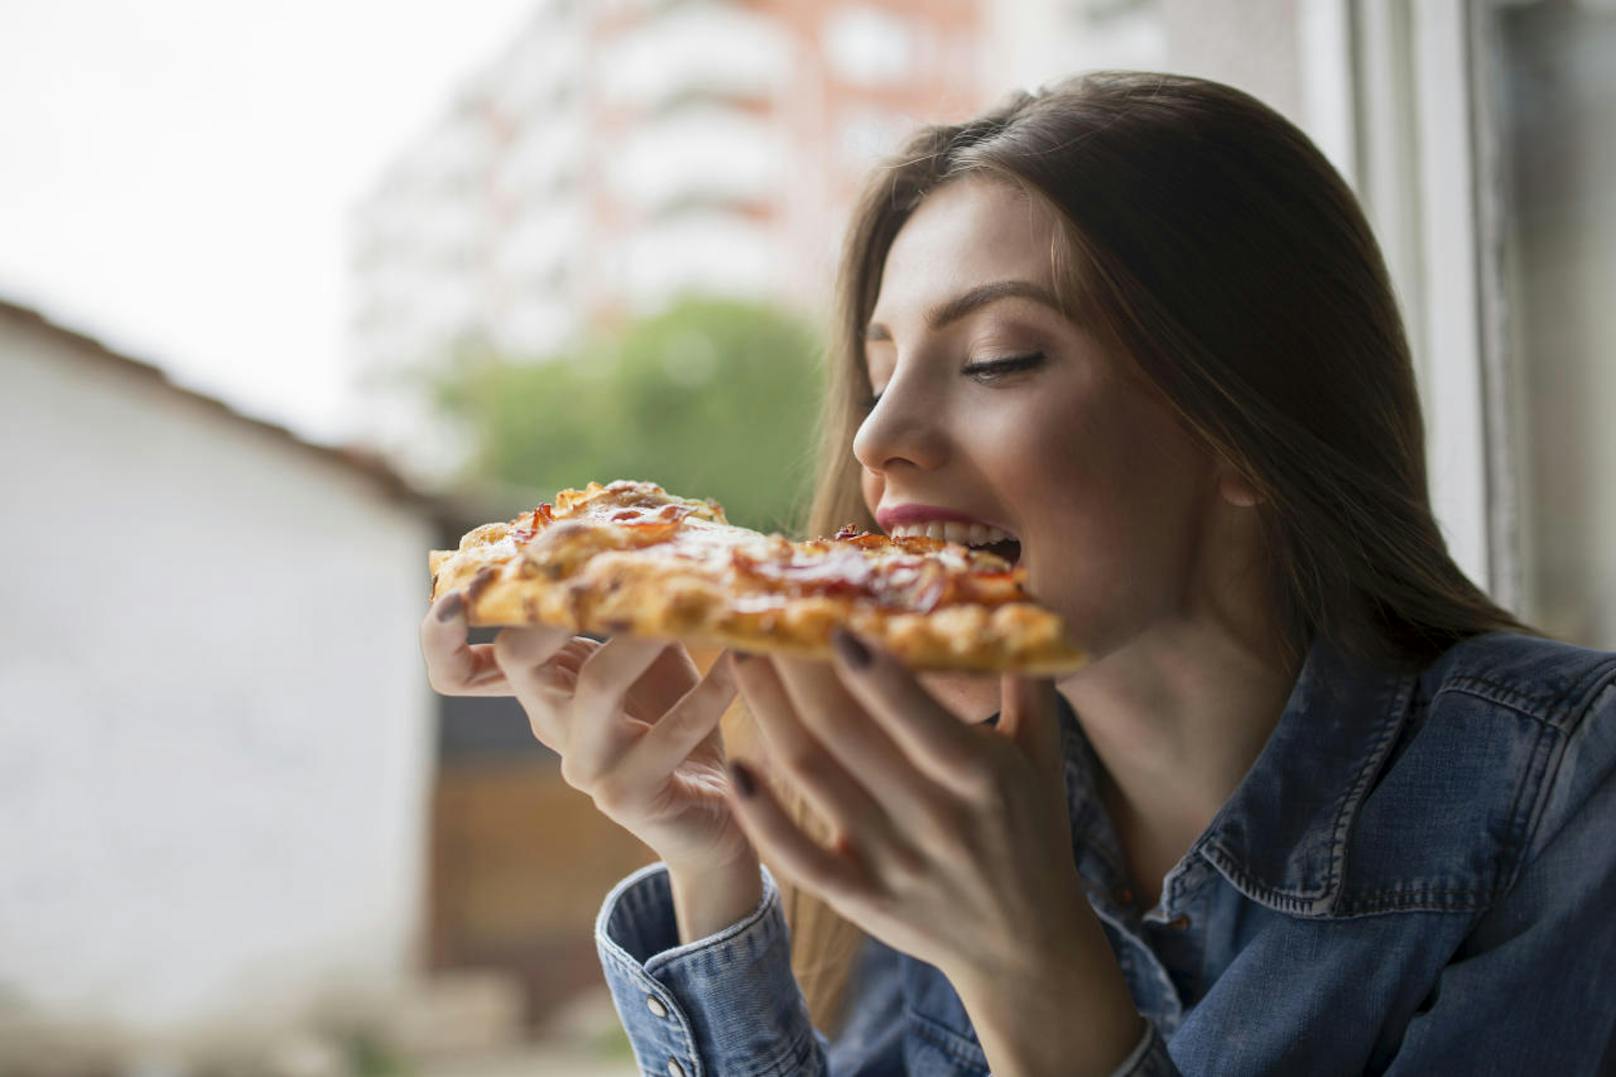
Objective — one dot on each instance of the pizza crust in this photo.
(674, 568)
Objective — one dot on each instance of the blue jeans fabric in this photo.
(1417, 875)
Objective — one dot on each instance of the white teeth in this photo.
(964, 534)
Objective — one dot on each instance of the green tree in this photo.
(711, 398)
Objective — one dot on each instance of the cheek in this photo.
(1041, 452)
(1111, 454)
(1114, 493)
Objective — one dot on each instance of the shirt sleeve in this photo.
(1149, 1058)
(1527, 991)
(724, 1005)
(728, 1005)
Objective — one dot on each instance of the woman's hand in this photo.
(635, 724)
(952, 841)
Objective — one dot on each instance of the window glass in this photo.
(1555, 86)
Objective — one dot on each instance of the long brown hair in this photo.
(1210, 242)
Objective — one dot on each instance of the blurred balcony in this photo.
(703, 250)
(706, 151)
(716, 48)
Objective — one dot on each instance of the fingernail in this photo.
(743, 656)
(853, 652)
(452, 608)
(740, 775)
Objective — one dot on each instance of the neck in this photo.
(1176, 718)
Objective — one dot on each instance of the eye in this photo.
(988, 370)
(983, 370)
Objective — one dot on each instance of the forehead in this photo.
(966, 233)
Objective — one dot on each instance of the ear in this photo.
(1236, 489)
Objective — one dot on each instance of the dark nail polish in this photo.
(741, 775)
(743, 656)
(853, 652)
(452, 608)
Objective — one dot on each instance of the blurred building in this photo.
(618, 154)
(216, 742)
(235, 835)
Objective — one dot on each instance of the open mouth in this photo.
(976, 536)
(1009, 549)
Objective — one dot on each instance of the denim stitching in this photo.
(1537, 785)
(1243, 881)
(1553, 709)
(1422, 900)
(1394, 714)
(1553, 757)
(944, 1038)
(791, 1062)
(652, 987)
(1302, 902)
(702, 947)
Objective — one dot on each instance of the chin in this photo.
(971, 697)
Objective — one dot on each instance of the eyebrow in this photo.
(980, 296)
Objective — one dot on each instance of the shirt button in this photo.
(1124, 896)
(654, 1004)
(1179, 923)
(674, 1069)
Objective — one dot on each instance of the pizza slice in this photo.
(630, 557)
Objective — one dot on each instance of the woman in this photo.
(1315, 806)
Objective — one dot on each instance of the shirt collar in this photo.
(1280, 838)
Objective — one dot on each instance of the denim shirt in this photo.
(1417, 875)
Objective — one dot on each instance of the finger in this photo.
(524, 653)
(599, 731)
(673, 672)
(533, 662)
(946, 749)
(455, 667)
(686, 724)
(1030, 718)
(845, 803)
(781, 842)
(845, 726)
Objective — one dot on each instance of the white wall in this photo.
(215, 734)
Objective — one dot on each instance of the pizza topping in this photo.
(538, 519)
(650, 515)
(629, 557)
(889, 573)
(600, 501)
(845, 572)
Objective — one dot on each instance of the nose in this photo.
(904, 429)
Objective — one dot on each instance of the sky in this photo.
(176, 176)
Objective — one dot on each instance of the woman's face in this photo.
(993, 407)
